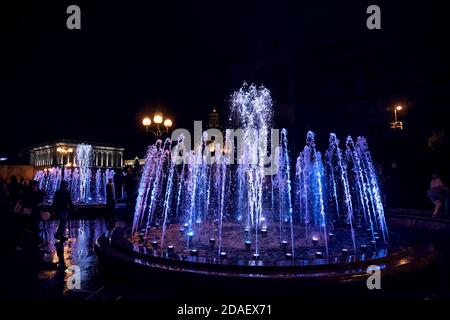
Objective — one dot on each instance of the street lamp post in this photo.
(397, 124)
(63, 151)
(154, 126)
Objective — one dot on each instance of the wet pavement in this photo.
(43, 273)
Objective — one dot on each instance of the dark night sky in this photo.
(133, 56)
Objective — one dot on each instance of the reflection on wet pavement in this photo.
(43, 274)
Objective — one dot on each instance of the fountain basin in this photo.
(116, 249)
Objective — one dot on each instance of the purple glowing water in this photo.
(332, 203)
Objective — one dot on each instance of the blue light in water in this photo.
(342, 188)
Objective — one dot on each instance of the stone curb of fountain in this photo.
(418, 219)
(114, 248)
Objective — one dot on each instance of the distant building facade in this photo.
(103, 156)
(132, 162)
(214, 120)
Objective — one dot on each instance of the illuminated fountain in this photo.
(201, 201)
(87, 185)
(246, 210)
(83, 161)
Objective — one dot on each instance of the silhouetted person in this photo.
(23, 182)
(32, 198)
(131, 182)
(3, 193)
(394, 186)
(110, 205)
(3, 196)
(437, 193)
(118, 184)
(13, 195)
(62, 204)
(14, 191)
(8, 235)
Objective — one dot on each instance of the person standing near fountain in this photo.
(437, 193)
(118, 183)
(62, 204)
(110, 205)
(131, 182)
(32, 198)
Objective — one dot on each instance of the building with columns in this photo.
(103, 155)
